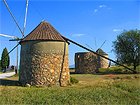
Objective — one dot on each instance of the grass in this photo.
(91, 89)
(118, 69)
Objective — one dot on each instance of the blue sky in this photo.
(84, 21)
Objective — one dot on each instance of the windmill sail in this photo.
(12, 16)
(25, 17)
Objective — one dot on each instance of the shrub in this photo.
(73, 80)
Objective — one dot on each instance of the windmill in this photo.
(16, 38)
(63, 37)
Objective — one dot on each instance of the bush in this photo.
(73, 80)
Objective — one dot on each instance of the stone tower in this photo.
(44, 58)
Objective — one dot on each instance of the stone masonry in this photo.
(103, 63)
(86, 63)
(44, 68)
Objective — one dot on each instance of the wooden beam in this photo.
(99, 54)
(12, 16)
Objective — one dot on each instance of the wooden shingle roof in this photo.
(44, 31)
(100, 51)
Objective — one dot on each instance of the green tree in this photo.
(5, 59)
(126, 47)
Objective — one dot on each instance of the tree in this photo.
(5, 59)
(126, 47)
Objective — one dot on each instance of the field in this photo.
(102, 88)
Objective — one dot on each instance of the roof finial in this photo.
(43, 20)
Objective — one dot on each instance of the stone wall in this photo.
(86, 63)
(89, 63)
(103, 63)
(44, 63)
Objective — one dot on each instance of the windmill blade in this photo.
(14, 38)
(11, 51)
(95, 43)
(7, 36)
(25, 17)
(103, 43)
(12, 16)
(90, 47)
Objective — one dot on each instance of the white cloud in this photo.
(95, 10)
(116, 30)
(77, 35)
(101, 6)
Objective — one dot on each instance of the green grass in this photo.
(118, 69)
(91, 89)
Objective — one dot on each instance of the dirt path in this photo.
(5, 75)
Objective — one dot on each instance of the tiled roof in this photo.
(100, 51)
(44, 31)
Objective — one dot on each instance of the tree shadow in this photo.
(6, 82)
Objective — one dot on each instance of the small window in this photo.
(78, 56)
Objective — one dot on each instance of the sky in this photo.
(88, 22)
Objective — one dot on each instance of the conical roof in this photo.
(100, 51)
(44, 31)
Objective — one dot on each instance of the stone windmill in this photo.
(89, 63)
(44, 57)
